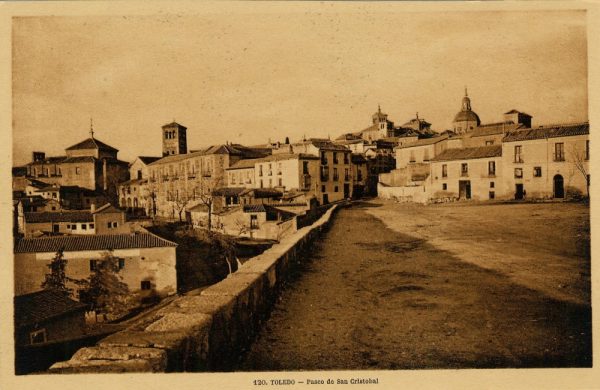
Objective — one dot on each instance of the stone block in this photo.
(101, 366)
(157, 358)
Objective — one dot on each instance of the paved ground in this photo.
(370, 297)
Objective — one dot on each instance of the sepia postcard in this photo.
(246, 195)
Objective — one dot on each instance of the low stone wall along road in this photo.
(369, 297)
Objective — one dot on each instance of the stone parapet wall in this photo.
(203, 332)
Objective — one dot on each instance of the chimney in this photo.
(39, 156)
(104, 178)
(93, 207)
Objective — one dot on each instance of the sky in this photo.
(250, 77)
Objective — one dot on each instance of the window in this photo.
(537, 171)
(84, 226)
(518, 173)
(444, 170)
(426, 155)
(93, 265)
(492, 194)
(464, 169)
(77, 170)
(305, 167)
(53, 208)
(109, 225)
(146, 285)
(587, 149)
(37, 336)
(492, 184)
(346, 159)
(335, 158)
(323, 158)
(115, 224)
(323, 189)
(335, 189)
(260, 171)
(559, 151)
(444, 186)
(492, 168)
(346, 174)
(261, 183)
(253, 221)
(68, 226)
(91, 225)
(412, 156)
(489, 142)
(324, 173)
(54, 195)
(335, 174)
(518, 154)
(280, 182)
(121, 263)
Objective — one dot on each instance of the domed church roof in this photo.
(466, 114)
(470, 116)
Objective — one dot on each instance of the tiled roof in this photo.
(469, 153)
(91, 242)
(148, 160)
(552, 131)
(254, 208)
(286, 204)
(513, 111)
(78, 159)
(59, 216)
(234, 150)
(35, 200)
(425, 141)
(92, 143)
(38, 183)
(48, 188)
(49, 160)
(41, 306)
(494, 128)
(173, 124)
(323, 143)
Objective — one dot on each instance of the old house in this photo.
(47, 316)
(256, 221)
(89, 164)
(146, 261)
(179, 182)
(466, 173)
(546, 161)
(134, 194)
(104, 220)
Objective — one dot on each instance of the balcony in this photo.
(323, 161)
(558, 157)
(206, 174)
(346, 177)
(324, 177)
(464, 174)
(491, 174)
(518, 159)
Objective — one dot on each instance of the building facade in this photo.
(147, 262)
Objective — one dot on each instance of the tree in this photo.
(106, 291)
(580, 162)
(180, 202)
(57, 278)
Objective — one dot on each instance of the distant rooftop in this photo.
(91, 243)
(41, 306)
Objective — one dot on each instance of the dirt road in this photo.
(373, 298)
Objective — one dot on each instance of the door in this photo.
(54, 228)
(519, 191)
(346, 190)
(464, 189)
(325, 198)
(559, 187)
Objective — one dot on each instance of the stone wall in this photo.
(203, 332)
